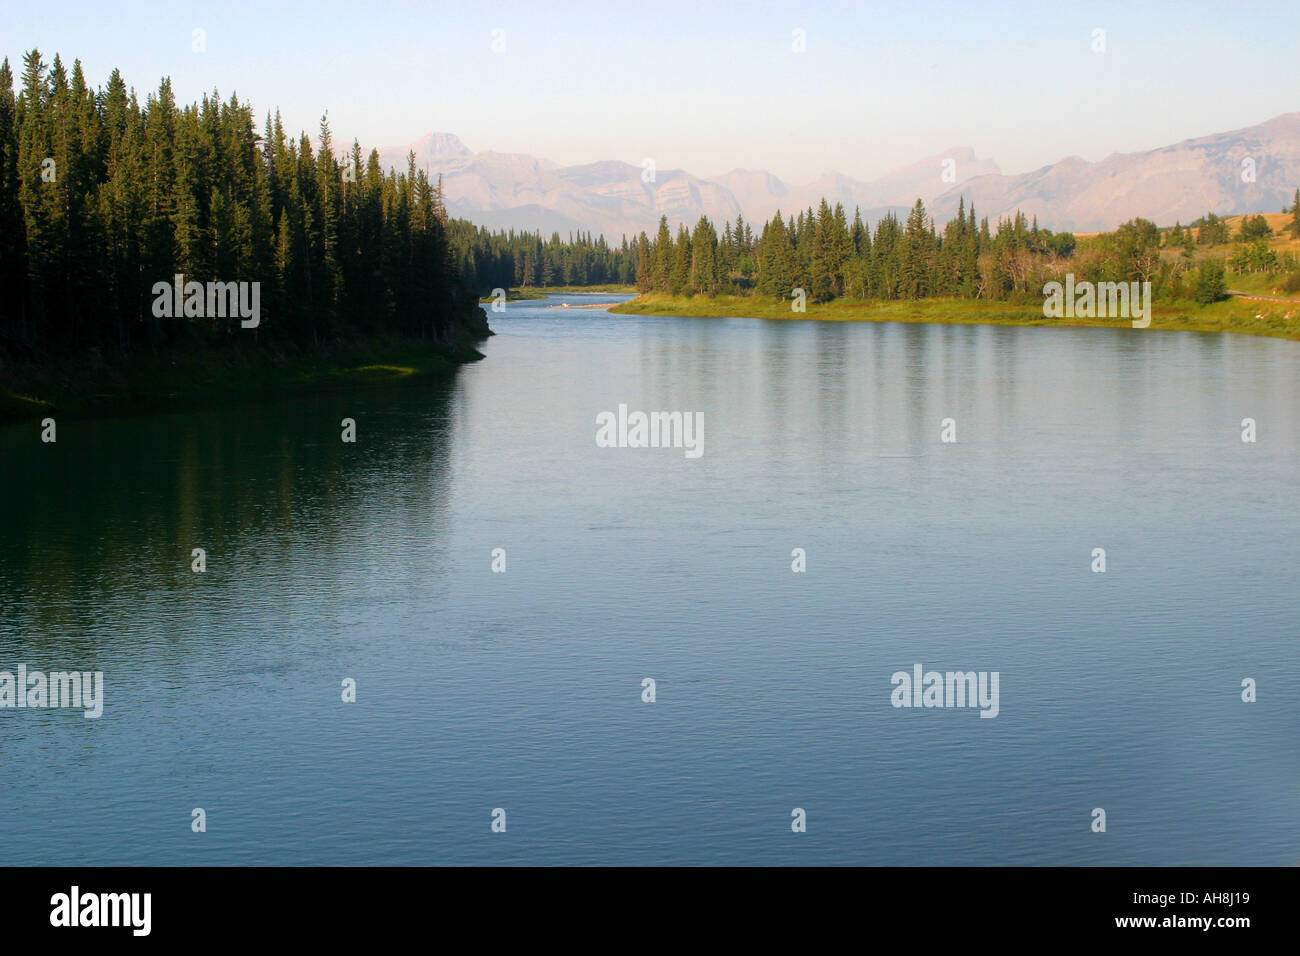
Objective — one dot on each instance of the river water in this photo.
(522, 689)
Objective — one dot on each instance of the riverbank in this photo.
(541, 292)
(84, 387)
(1244, 316)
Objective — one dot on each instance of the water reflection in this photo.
(104, 521)
(522, 689)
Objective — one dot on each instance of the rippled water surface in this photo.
(522, 690)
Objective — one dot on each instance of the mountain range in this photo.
(1255, 169)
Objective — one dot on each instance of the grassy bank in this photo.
(1250, 317)
(513, 295)
(187, 378)
(609, 288)
(541, 292)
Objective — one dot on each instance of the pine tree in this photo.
(13, 234)
(821, 254)
(644, 278)
(704, 261)
(680, 275)
(841, 250)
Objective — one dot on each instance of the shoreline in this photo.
(520, 293)
(191, 378)
(1273, 319)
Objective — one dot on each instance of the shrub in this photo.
(1210, 284)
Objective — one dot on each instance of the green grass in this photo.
(514, 295)
(1260, 283)
(185, 378)
(377, 373)
(541, 292)
(1277, 319)
(606, 289)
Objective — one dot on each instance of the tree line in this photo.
(502, 259)
(102, 197)
(829, 256)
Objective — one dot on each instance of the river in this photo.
(522, 689)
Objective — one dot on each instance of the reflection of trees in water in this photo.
(107, 518)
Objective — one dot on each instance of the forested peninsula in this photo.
(151, 251)
(1217, 274)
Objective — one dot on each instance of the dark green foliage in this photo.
(1211, 230)
(1210, 283)
(1136, 246)
(704, 258)
(1253, 228)
(101, 198)
(499, 260)
(1254, 257)
(679, 276)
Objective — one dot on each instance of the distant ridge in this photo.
(1171, 184)
(610, 197)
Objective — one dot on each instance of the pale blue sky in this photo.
(709, 87)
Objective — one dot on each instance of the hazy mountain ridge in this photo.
(1177, 182)
(523, 192)
(1172, 183)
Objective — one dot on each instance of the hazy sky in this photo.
(709, 87)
